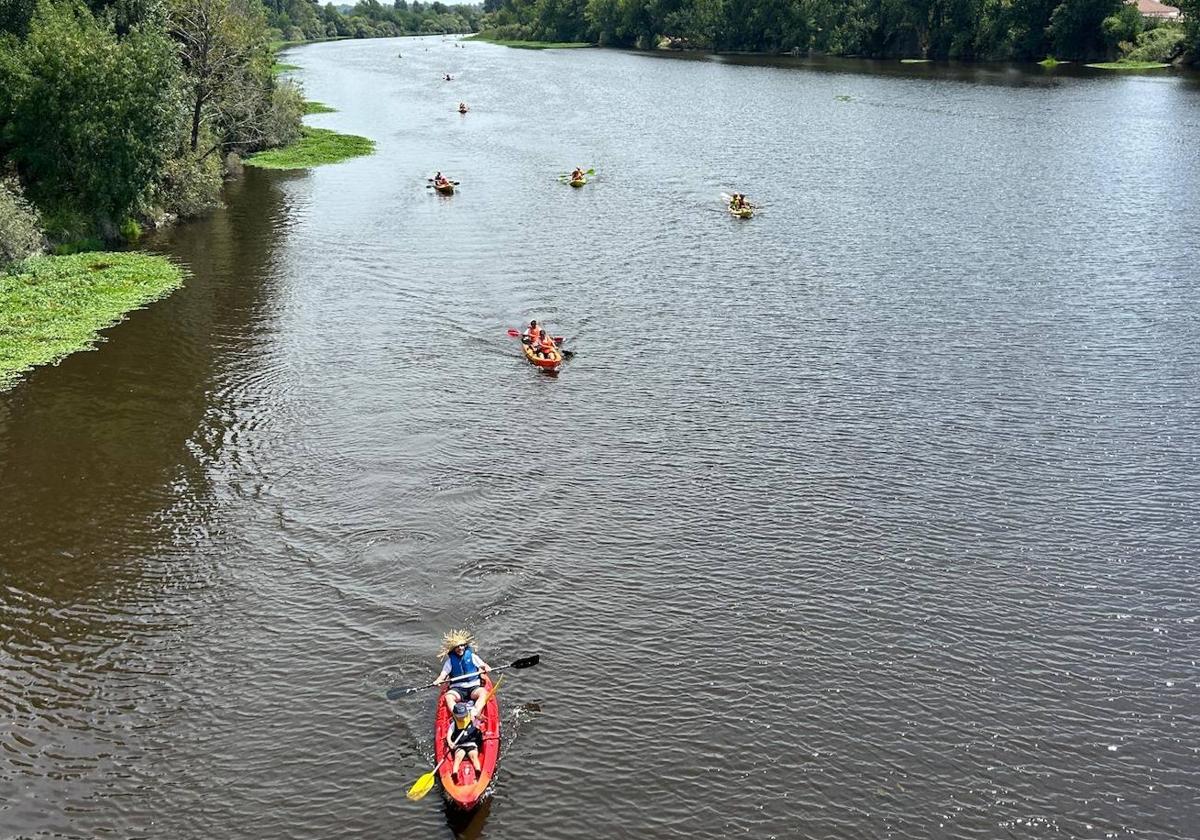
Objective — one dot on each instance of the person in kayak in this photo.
(545, 345)
(462, 668)
(577, 175)
(463, 737)
(531, 334)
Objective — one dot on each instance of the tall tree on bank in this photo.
(223, 47)
(88, 118)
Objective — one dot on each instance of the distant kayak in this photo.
(741, 212)
(445, 189)
(578, 182)
(464, 789)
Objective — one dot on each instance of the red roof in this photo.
(1152, 8)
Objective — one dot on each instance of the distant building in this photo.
(1154, 9)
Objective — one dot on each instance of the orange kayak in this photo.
(445, 189)
(464, 789)
(551, 362)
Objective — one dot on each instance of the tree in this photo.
(223, 46)
(1076, 27)
(88, 118)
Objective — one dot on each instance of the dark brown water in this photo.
(874, 516)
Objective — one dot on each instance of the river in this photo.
(874, 516)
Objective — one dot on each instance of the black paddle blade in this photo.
(527, 662)
(396, 693)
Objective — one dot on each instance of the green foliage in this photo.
(89, 118)
(53, 306)
(929, 29)
(316, 146)
(15, 16)
(131, 231)
(311, 107)
(20, 226)
(190, 185)
(1123, 27)
(1158, 45)
(1077, 29)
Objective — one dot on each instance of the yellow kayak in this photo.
(579, 182)
(741, 212)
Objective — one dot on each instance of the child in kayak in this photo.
(531, 334)
(463, 737)
(462, 668)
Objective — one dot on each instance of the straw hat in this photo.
(455, 638)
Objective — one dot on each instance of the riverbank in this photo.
(51, 306)
(529, 45)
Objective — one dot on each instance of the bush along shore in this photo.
(182, 91)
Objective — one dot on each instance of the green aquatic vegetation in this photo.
(315, 146)
(51, 307)
(531, 45)
(1128, 65)
(279, 67)
(915, 60)
(1051, 62)
(842, 97)
(317, 108)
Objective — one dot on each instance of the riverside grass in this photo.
(1128, 65)
(311, 107)
(315, 147)
(51, 307)
(530, 45)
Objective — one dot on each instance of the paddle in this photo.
(455, 183)
(424, 784)
(525, 662)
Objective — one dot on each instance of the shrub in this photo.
(131, 231)
(189, 186)
(283, 118)
(1157, 45)
(20, 227)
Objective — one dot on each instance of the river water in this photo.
(874, 516)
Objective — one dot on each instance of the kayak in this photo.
(742, 212)
(554, 362)
(464, 789)
(463, 110)
(445, 189)
(579, 182)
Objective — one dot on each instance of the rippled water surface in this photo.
(874, 516)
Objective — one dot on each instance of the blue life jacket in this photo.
(460, 665)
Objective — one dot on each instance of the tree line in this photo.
(119, 113)
(1011, 30)
(304, 20)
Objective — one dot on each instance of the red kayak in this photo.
(464, 789)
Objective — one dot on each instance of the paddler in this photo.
(577, 175)
(545, 344)
(531, 334)
(462, 668)
(463, 736)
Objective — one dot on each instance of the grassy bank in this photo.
(51, 307)
(311, 107)
(279, 68)
(530, 45)
(1128, 65)
(315, 147)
